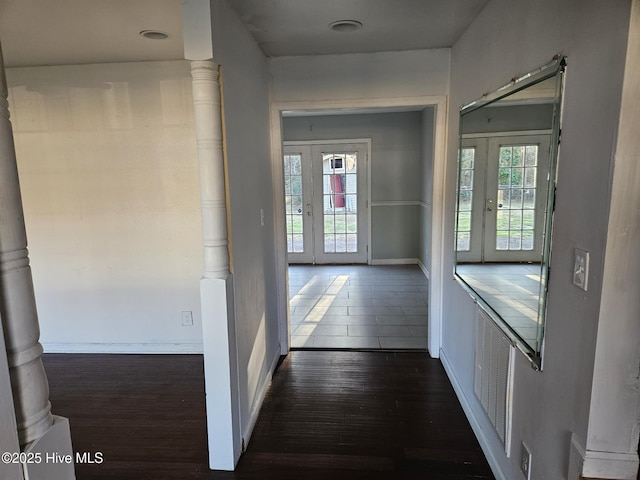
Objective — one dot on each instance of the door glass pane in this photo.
(516, 197)
(293, 202)
(340, 202)
(465, 200)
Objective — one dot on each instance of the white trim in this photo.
(261, 394)
(576, 459)
(473, 420)
(326, 142)
(610, 465)
(438, 243)
(519, 133)
(394, 261)
(397, 203)
(439, 178)
(280, 229)
(424, 269)
(163, 348)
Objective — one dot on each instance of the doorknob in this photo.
(308, 209)
(489, 204)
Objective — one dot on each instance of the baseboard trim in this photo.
(473, 420)
(394, 261)
(253, 416)
(424, 269)
(610, 465)
(156, 348)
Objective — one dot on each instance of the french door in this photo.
(326, 202)
(502, 195)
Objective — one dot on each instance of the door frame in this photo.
(367, 141)
(438, 232)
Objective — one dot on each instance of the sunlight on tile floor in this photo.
(358, 306)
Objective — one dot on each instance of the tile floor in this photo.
(513, 290)
(358, 306)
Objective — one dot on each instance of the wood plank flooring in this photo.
(328, 415)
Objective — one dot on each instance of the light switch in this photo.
(581, 269)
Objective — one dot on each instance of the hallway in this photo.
(338, 415)
(358, 306)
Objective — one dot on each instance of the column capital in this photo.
(204, 65)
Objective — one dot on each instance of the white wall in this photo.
(551, 404)
(246, 119)
(394, 168)
(360, 76)
(108, 170)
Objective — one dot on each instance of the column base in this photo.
(220, 373)
(55, 453)
(591, 464)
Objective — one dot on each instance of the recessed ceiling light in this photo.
(154, 34)
(345, 25)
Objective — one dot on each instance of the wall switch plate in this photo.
(187, 319)
(581, 269)
(525, 461)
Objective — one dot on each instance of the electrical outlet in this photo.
(525, 461)
(187, 319)
(581, 269)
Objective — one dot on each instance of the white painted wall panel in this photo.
(246, 118)
(547, 405)
(360, 76)
(109, 178)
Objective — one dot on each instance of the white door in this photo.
(502, 197)
(298, 208)
(326, 201)
(517, 179)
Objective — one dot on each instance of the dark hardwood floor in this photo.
(328, 415)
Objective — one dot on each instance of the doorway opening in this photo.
(403, 225)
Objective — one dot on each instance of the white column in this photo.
(17, 300)
(216, 285)
(38, 430)
(206, 101)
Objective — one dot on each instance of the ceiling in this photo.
(300, 27)
(67, 32)
(70, 32)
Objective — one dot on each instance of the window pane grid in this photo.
(293, 202)
(516, 197)
(465, 200)
(339, 200)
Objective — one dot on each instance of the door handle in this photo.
(489, 204)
